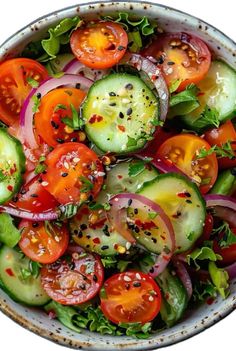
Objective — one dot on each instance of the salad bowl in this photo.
(196, 320)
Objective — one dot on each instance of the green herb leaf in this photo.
(135, 41)
(34, 268)
(228, 238)
(137, 167)
(174, 85)
(225, 150)
(32, 82)
(25, 273)
(36, 102)
(2, 176)
(40, 168)
(191, 236)
(60, 107)
(109, 262)
(209, 118)
(9, 234)
(220, 279)
(122, 265)
(68, 211)
(131, 142)
(86, 185)
(203, 290)
(152, 215)
(203, 253)
(68, 122)
(140, 331)
(94, 206)
(184, 102)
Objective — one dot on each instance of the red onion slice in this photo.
(118, 217)
(184, 277)
(76, 67)
(224, 207)
(27, 114)
(43, 216)
(231, 269)
(156, 77)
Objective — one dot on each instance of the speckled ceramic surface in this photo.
(194, 321)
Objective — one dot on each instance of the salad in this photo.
(117, 175)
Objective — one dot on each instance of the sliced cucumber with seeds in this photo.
(120, 113)
(12, 165)
(217, 92)
(27, 290)
(102, 239)
(182, 202)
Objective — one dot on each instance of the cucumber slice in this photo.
(12, 165)
(27, 291)
(117, 181)
(217, 92)
(120, 113)
(182, 202)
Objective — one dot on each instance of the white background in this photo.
(16, 14)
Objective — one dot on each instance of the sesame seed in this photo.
(76, 159)
(138, 276)
(44, 183)
(151, 298)
(66, 165)
(128, 245)
(127, 279)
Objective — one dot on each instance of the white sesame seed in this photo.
(125, 101)
(66, 165)
(151, 298)
(101, 174)
(44, 183)
(138, 276)
(127, 279)
(128, 245)
(57, 238)
(75, 159)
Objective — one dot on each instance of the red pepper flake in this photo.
(121, 128)
(153, 77)
(201, 93)
(184, 194)
(145, 225)
(210, 300)
(119, 176)
(10, 187)
(166, 258)
(10, 272)
(96, 241)
(13, 169)
(95, 118)
(98, 224)
(163, 237)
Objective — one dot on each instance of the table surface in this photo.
(16, 14)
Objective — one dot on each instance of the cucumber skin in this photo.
(16, 299)
(22, 167)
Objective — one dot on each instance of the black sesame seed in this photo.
(136, 284)
(104, 247)
(77, 85)
(75, 231)
(82, 286)
(151, 270)
(34, 195)
(112, 93)
(154, 240)
(95, 278)
(90, 198)
(127, 286)
(130, 202)
(64, 174)
(73, 139)
(147, 233)
(120, 47)
(60, 141)
(136, 229)
(233, 171)
(83, 226)
(39, 96)
(129, 111)
(135, 211)
(23, 191)
(170, 63)
(129, 86)
(80, 234)
(35, 225)
(121, 115)
(112, 104)
(54, 125)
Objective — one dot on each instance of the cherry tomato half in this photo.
(99, 45)
(15, 75)
(73, 280)
(54, 106)
(183, 150)
(181, 57)
(43, 242)
(73, 173)
(130, 297)
(34, 198)
(228, 253)
(218, 136)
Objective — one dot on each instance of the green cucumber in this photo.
(12, 165)
(120, 113)
(218, 93)
(225, 183)
(117, 181)
(25, 290)
(174, 297)
(9, 234)
(182, 202)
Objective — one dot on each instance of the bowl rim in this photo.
(21, 319)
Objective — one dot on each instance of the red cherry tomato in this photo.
(181, 57)
(34, 198)
(73, 280)
(73, 173)
(99, 45)
(15, 75)
(130, 297)
(55, 107)
(228, 253)
(182, 150)
(218, 136)
(43, 242)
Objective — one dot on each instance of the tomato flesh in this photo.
(15, 75)
(74, 173)
(182, 57)
(99, 45)
(218, 136)
(42, 242)
(55, 106)
(130, 297)
(73, 280)
(228, 253)
(182, 150)
(34, 198)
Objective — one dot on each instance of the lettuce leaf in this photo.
(9, 234)
(220, 279)
(184, 102)
(203, 253)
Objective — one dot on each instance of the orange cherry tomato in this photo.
(15, 75)
(183, 150)
(218, 136)
(181, 57)
(74, 173)
(130, 297)
(55, 106)
(99, 45)
(43, 242)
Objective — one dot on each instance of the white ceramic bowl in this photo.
(202, 317)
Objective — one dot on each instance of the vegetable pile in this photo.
(117, 175)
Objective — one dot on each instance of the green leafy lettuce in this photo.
(220, 279)
(202, 254)
(138, 29)
(184, 102)
(9, 234)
